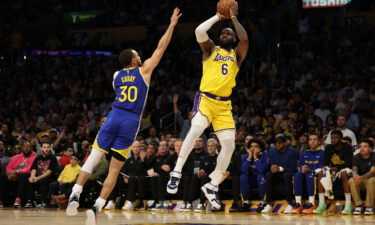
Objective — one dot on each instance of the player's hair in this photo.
(338, 132)
(261, 144)
(125, 57)
(368, 141)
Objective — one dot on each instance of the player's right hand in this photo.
(175, 16)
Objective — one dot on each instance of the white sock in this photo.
(188, 144)
(76, 190)
(312, 200)
(322, 199)
(348, 198)
(299, 200)
(246, 202)
(100, 203)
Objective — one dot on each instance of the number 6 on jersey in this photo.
(224, 69)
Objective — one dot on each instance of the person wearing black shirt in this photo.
(206, 166)
(338, 157)
(43, 167)
(136, 171)
(363, 178)
(160, 176)
(190, 168)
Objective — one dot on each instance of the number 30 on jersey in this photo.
(128, 93)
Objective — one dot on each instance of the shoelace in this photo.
(174, 181)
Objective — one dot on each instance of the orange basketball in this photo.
(223, 7)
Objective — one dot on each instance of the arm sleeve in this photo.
(201, 31)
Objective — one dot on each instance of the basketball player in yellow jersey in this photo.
(212, 105)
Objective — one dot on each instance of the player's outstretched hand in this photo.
(175, 16)
(233, 8)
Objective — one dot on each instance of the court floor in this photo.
(10, 216)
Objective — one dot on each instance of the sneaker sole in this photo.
(71, 210)
(172, 191)
(215, 206)
(91, 218)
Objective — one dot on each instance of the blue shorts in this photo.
(118, 133)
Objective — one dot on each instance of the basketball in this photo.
(223, 7)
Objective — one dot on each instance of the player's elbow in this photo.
(201, 34)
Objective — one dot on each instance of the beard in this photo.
(226, 44)
(27, 154)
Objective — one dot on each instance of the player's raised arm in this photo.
(206, 44)
(150, 64)
(243, 44)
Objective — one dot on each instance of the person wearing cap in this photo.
(283, 160)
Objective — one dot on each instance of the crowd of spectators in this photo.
(52, 106)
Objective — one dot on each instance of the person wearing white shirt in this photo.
(341, 123)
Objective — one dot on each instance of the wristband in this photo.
(233, 17)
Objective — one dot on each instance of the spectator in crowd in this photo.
(232, 175)
(310, 162)
(6, 137)
(341, 125)
(363, 178)
(153, 138)
(135, 171)
(283, 162)
(86, 150)
(66, 179)
(338, 158)
(160, 176)
(66, 157)
(255, 165)
(302, 144)
(322, 112)
(206, 165)
(41, 174)
(190, 170)
(18, 171)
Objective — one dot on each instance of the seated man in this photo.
(189, 170)
(311, 161)
(43, 167)
(255, 165)
(364, 178)
(66, 179)
(160, 176)
(206, 166)
(136, 171)
(338, 158)
(18, 171)
(283, 162)
(65, 158)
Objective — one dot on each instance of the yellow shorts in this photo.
(219, 113)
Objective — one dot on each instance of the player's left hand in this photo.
(304, 169)
(274, 168)
(175, 16)
(233, 8)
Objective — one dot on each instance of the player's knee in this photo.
(244, 177)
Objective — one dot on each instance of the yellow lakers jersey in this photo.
(219, 72)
